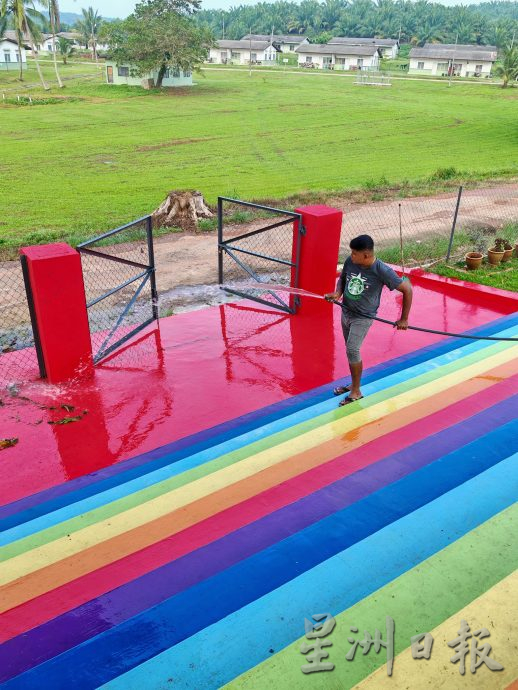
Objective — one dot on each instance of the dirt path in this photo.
(186, 261)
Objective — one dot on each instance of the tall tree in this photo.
(507, 68)
(160, 40)
(89, 26)
(26, 21)
(55, 26)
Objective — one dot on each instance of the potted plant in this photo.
(474, 258)
(508, 253)
(496, 253)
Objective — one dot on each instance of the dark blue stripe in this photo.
(116, 651)
(64, 494)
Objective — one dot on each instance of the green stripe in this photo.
(418, 601)
(138, 497)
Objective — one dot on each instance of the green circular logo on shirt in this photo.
(356, 285)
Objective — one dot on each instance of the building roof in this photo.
(463, 46)
(380, 42)
(244, 45)
(277, 38)
(454, 52)
(11, 37)
(327, 49)
(70, 35)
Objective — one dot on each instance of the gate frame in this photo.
(226, 247)
(147, 274)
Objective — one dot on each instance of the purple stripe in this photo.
(113, 608)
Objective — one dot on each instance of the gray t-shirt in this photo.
(362, 286)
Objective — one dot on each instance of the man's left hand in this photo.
(402, 324)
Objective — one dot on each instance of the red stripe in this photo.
(51, 604)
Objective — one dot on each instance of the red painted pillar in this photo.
(56, 282)
(318, 253)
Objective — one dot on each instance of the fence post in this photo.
(220, 240)
(151, 261)
(58, 294)
(454, 224)
(318, 256)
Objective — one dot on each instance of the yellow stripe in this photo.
(494, 610)
(59, 549)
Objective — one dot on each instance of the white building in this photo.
(443, 60)
(10, 55)
(286, 43)
(243, 52)
(389, 47)
(121, 74)
(338, 57)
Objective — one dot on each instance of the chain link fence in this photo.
(261, 251)
(118, 274)
(416, 231)
(18, 360)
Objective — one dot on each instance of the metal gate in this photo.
(265, 254)
(119, 276)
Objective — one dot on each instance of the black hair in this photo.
(362, 243)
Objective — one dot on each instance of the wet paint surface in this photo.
(198, 370)
(212, 496)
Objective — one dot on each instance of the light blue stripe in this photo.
(178, 467)
(233, 645)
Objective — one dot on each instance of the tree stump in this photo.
(182, 208)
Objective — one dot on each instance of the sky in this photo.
(121, 8)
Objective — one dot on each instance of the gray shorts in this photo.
(354, 329)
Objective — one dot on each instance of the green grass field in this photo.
(110, 154)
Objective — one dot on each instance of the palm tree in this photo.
(508, 66)
(89, 28)
(55, 25)
(66, 48)
(25, 20)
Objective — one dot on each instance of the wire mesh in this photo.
(117, 285)
(18, 359)
(259, 256)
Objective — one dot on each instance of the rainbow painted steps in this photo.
(198, 562)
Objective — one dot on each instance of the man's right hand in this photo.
(332, 296)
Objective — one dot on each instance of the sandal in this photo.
(348, 400)
(340, 390)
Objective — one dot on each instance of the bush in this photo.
(445, 173)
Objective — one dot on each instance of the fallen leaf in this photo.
(7, 443)
(67, 420)
(68, 408)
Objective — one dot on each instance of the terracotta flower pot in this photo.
(473, 260)
(494, 257)
(516, 250)
(508, 255)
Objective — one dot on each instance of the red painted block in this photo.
(318, 253)
(56, 280)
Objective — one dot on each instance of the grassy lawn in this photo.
(503, 276)
(110, 154)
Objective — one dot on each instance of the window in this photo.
(187, 73)
(49, 47)
(309, 58)
(253, 57)
(166, 73)
(176, 73)
(478, 68)
(16, 57)
(123, 71)
(223, 55)
(7, 56)
(292, 47)
(235, 56)
(359, 62)
(327, 59)
(442, 67)
(420, 65)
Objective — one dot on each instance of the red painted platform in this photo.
(201, 368)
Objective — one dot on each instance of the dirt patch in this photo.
(174, 142)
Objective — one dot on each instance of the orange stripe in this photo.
(513, 686)
(59, 573)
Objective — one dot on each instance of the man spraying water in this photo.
(360, 284)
